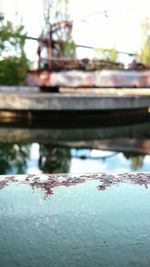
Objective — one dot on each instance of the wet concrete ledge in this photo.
(25, 98)
(97, 219)
(47, 182)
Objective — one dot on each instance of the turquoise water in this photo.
(76, 226)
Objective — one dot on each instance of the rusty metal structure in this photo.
(56, 70)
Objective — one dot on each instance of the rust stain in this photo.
(51, 181)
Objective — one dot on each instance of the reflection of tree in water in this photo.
(13, 156)
(54, 159)
(136, 160)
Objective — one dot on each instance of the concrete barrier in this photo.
(25, 98)
(98, 219)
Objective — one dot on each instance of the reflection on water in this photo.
(98, 219)
(13, 157)
(66, 150)
(114, 162)
(54, 159)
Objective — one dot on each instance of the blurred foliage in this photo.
(13, 70)
(13, 158)
(12, 37)
(145, 48)
(68, 49)
(13, 61)
(107, 54)
(57, 11)
(54, 159)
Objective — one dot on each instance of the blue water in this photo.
(76, 226)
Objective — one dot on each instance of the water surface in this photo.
(75, 148)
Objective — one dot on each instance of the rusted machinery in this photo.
(56, 70)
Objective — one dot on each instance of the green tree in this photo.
(107, 54)
(56, 12)
(13, 71)
(13, 61)
(145, 48)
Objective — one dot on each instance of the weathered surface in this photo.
(49, 181)
(33, 99)
(103, 78)
(75, 220)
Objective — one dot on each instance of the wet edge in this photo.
(47, 182)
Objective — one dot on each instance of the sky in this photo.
(119, 26)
